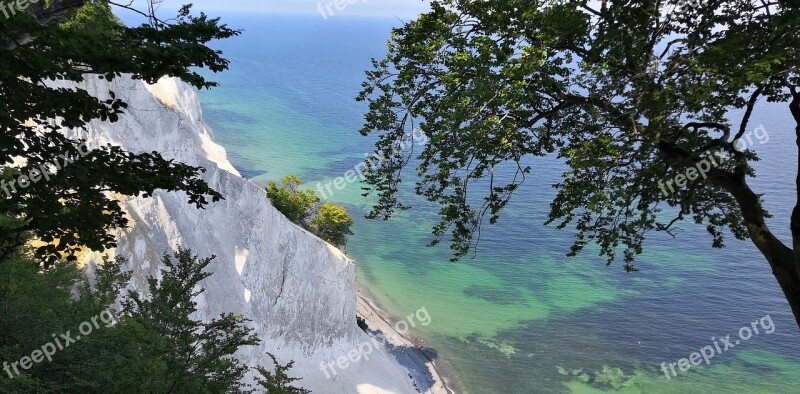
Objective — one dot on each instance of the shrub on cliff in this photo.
(171, 350)
(278, 382)
(328, 221)
(332, 223)
(297, 205)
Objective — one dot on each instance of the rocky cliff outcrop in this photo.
(298, 290)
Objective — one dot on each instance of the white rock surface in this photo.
(298, 290)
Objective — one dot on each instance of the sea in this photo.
(518, 316)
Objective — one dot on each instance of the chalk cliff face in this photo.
(298, 290)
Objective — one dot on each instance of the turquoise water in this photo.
(520, 317)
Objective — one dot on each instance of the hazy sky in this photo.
(387, 8)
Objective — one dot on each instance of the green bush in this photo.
(328, 221)
(278, 382)
(297, 205)
(332, 223)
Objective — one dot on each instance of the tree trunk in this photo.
(784, 261)
(780, 257)
(794, 107)
(786, 273)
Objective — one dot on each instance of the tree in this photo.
(60, 192)
(152, 344)
(33, 305)
(328, 221)
(297, 205)
(191, 355)
(57, 191)
(279, 382)
(630, 95)
(332, 223)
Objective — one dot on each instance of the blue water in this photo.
(520, 317)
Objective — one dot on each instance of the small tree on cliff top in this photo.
(328, 221)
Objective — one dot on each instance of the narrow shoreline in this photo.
(409, 351)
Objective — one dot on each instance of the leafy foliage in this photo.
(33, 306)
(153, 345)
(328, 221)
(297, 205)
(193, 356)
(68, 40)
(96, 16)
(279, 382)
(332, 223)
(627, 95)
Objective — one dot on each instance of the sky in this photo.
(377, 8)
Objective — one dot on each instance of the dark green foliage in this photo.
(628, 94)
(33, 305)
(95, 16)
(37, 303)
(328, 221)
(192, 356)
(62, 42)
(495, 84)
(154, 345)
(279, 382)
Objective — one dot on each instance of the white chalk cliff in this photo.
(298, 290)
